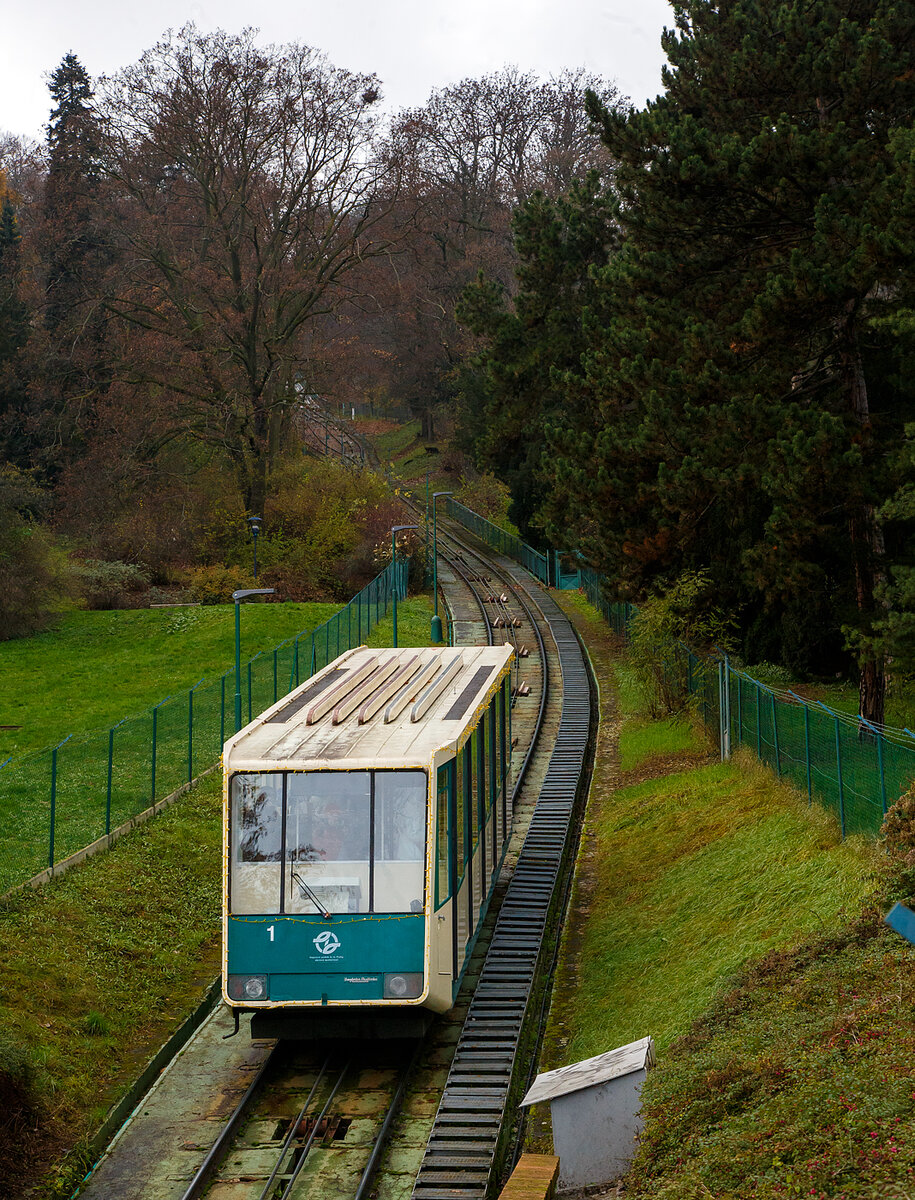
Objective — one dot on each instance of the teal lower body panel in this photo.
(330, 987)
(309, 959)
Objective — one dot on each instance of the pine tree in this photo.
(75, 241)
(71, 193)
(514, 381)
(734, 363)
(13, 336)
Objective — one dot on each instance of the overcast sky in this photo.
(413, 45)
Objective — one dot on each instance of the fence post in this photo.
(835, 718)
(314, 656)
(778, 761)
(721, 711)
(222, 711)
(297, 661)
(108, 791)
(110, 759)
(155, 716)
(275, 696)
(54, 797)
(758, 725)
(839, 777)
(190, 730)
(739, 709)
(806, 708)
(249, 691)
(879, 736)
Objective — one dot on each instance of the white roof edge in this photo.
(624, 1060)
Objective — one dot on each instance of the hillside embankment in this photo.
(716, 911)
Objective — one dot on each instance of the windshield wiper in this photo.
(306, 891)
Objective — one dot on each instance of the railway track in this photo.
(262, 1153)
(288, 1136)
(471, 1135)
(367, 1125)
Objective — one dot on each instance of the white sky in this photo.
(413, 45)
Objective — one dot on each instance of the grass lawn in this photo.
(96, 667)
(152, 754)
(675, 848)
(100, 965)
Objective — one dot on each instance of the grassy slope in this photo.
(99, 966)
(96, 667)
(721, 915)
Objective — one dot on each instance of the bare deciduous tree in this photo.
(247, 190)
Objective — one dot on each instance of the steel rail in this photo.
(481, 604)
(309, 1141)
(381, 1140)
(220, 1147)
(541, 646)
(461, 1152)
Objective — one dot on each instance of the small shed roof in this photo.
(637, 1056)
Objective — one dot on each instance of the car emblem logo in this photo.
(327, 942)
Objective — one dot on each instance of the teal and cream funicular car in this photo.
(366, 818)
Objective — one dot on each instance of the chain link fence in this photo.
(851, 767)
(56, 802)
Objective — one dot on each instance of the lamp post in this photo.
(238, 596)
(254, 522)
(427, 528)
(436, 620)
(395, 529)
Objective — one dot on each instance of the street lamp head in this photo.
(243, 593)
(398, 528)
(254, 522)
(435, 495)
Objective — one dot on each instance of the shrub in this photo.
(215, 585)
(489, 497)
(897, 837)
(321, 524)
(660, 633)
(111, 584)
(35, 575)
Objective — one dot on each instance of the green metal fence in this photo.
(506, 543)
(58, 801)
(854, 769)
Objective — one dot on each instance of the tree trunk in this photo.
(427, 426)
(866, 537)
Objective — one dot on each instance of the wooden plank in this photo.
(534, 1178)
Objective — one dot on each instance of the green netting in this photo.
(56, 802)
